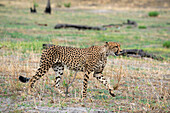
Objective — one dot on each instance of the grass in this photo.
(142, 27)
(144, 85)
(166, 44)
(153, 13)
(67, 5)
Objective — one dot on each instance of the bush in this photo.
(142, 27)
(153, 14)
(166, 44)
(67, 5)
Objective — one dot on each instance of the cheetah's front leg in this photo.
(102, 79)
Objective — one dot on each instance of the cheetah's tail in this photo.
(24, 79)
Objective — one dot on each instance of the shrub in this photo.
(142, 27)
(166, 44)
(67, 5)
(153, 14)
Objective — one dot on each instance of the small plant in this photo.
(23, 98)
(35, 4)
(142, 27)
(66, 86)
(153, 13)
(166, 44)
(68, 5)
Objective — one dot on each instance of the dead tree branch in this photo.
(129, 22)
(79, 27)
(140, 53)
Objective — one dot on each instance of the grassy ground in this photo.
(144, 84)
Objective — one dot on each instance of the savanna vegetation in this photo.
(144, 84)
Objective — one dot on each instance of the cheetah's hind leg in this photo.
(58, 69)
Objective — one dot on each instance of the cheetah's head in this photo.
(113, 48)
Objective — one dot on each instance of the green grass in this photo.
(23, 27)
(67, 5)
(153, 13)
(166, 44)
(142, 27)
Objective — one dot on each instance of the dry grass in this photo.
(144, 85)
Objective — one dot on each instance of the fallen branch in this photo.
(83, 27)
(139, 53)
(111, 25)
(129, 22)
(40, 24)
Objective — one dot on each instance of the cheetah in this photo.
(87, 60)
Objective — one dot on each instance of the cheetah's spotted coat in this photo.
(87, 60)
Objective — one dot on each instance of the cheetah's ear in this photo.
(106, 44)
